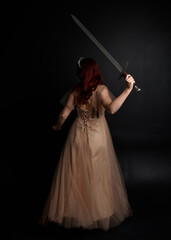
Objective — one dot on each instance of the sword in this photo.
(103, 50)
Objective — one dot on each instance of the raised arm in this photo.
(113, 106)
(65, 112)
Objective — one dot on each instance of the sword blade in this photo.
(102, 49)
(98, 44)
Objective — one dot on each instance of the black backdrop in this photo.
(40, 48)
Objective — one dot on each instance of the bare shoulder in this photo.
(102, 89)
(75, 92)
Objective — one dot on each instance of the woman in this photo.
(88, 188)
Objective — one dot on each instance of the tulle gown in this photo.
(88, 188)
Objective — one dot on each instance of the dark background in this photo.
(40, 47)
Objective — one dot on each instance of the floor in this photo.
(149, 222)
(134, 228)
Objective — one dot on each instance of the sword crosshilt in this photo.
(103, 50)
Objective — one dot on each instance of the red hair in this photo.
(90, 77)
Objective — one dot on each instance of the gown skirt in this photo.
(88, 188)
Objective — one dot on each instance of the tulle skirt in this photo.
(88, 188)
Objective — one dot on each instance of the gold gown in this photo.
(88, 188)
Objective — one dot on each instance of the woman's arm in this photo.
(65, 112)
(113, 106)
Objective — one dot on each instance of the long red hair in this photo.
(90, 77)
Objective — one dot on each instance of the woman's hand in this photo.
(129, 82)
(56, 127)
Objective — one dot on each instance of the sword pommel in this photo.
(123, 74)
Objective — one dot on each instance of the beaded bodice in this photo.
(86, 114)
(92, 111)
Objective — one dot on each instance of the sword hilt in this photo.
(124, 74)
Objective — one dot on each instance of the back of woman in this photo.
(88, 188)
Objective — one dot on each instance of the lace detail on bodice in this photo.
(95, 113)
(85, 115)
